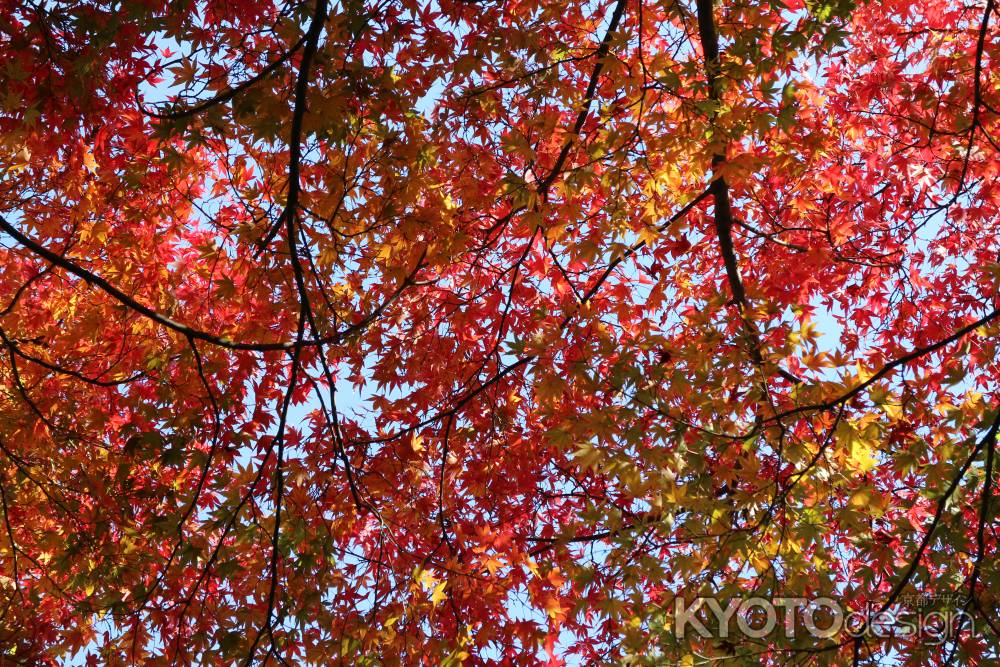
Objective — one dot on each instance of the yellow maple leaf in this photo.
(89, 162)
(438, 595)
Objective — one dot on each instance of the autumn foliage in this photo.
(393, 332)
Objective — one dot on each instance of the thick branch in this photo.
(226, 95)
(720, 192)
(187, 331)
(588, 96)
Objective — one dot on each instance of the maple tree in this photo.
(463, 332)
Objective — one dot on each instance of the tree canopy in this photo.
(459, 332)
